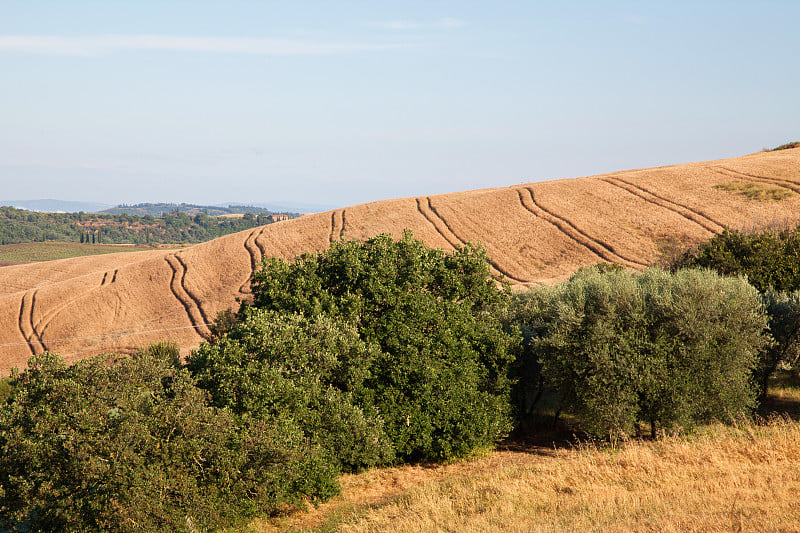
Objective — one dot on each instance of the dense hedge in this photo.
(622, 348)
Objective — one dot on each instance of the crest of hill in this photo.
(534, 233)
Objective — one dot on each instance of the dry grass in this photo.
(755, 191)
(743, 478)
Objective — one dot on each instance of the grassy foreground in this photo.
(721, 478)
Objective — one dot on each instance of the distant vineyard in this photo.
(20, 226)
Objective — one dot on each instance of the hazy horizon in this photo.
(339, 104)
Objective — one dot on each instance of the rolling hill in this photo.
(534, 233)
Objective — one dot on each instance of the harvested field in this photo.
(534, 233)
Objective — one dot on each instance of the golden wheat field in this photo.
(534, 233)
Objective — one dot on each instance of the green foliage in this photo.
(17, 226)
(784, 325)
(434, 359)
(786, 146)
(623, 348)
(131, 445)
(768, 258)
(311, 370)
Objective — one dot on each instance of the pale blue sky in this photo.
(346, 102)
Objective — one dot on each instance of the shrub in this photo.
(272, 365)
(436, 366)
(129, 444)
(784, 325)
(623, 348)
(768, 258)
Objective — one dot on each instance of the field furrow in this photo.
(782, 183)
(686, 212)
(337, 225)
(602, 250)
(496, 268)
(190, 304)
(24, 328)
(255, 256)
(424, 207)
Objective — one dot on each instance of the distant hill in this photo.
(55, 206)
(291, 207)
(161, 209)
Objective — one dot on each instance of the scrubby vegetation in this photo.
(786, 146)
(376, 353)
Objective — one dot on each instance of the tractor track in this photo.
(25, 323)
(337, 226)
(44, 323)
(704, 221)
(602, 250)
(344, 225)
(255, 253)
(190, 302)
(778, 182)
(437, 221)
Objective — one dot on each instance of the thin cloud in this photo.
(100, 45)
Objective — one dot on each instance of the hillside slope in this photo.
(534, 233)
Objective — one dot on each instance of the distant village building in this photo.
(277, 218)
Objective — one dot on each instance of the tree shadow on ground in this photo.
(783, 398)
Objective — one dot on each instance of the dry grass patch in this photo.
(743, 478)
(755, 191)
(726, 479)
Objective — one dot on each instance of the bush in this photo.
(129, 444)
(768, 258)
(622, 348)
(433, 357)
(784, 325)
(272, 365)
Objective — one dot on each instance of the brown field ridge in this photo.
(534, 233)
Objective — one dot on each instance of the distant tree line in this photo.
(18, 226)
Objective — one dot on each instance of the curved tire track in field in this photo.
(44, 322)
(443, 228)
(344, 225)
(688, 213)
(25, 323)
(337, 226)
(189, 301)
(255, 252)
(448, 236)
(599, 248)
(778, 182)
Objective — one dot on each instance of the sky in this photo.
(339, 103)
